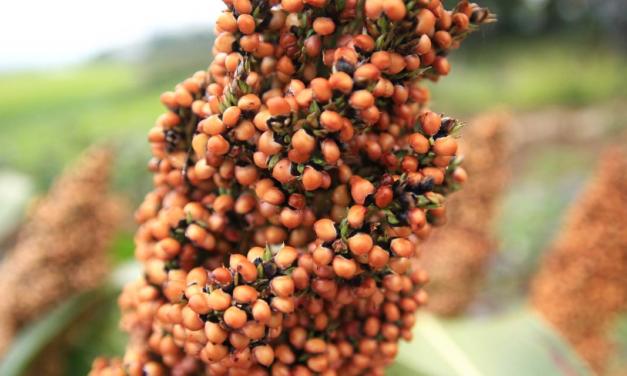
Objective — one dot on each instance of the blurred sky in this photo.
(41, 34)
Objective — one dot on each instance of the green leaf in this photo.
(222, 106)
(260, 271)
(344, 229)
(422, 201)
(391, 218)
(318, 160)
(400, 369)
(267, 254)
(314, 108)
(340, 4)
(379, 42)
(35, 337)
(382, 23)
(618, 336)
(96, 333)
(243, 86)
(123, 248)
(520, 343)
(273, 161)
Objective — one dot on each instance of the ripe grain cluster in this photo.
(293, 180)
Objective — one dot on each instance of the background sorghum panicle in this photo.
(61, 249)
(582, 284)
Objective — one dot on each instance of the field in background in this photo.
(47, 118)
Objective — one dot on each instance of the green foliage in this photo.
(531, 214)
(86, 323)
(97, 333)
(523, 74)
(123, 248)
(618, 334)
(515, 344)
(34, 338)
(51, 117)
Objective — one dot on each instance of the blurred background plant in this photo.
(61, 249)
(582, 284)
(457, 258)
(557, 67)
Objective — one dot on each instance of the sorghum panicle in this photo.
(293, 180)
(61, 250)
(582, 284)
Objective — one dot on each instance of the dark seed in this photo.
(344, 66)
(269, 269)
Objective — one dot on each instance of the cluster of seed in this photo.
(61, 250)
(293, 180)
(582, 285)
(456, 257)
